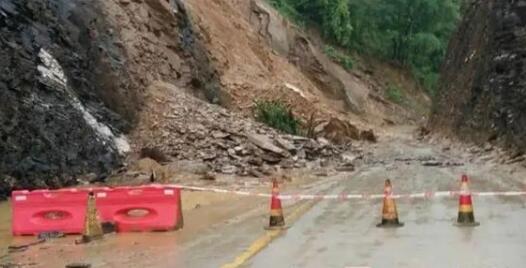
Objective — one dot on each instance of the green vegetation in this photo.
(343, 59)
(277, 115)
(413, 33)
(289, 11)
(394, 94)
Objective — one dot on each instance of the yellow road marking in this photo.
(268, 237)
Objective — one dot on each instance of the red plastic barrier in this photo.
(136, 209)
(45, 211)
(132, 209)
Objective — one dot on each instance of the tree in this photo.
(333, 16)
(414, 33)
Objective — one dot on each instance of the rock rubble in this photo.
(185, 128)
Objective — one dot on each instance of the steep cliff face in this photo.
(483, 89)
(73, 74)
(53, 124)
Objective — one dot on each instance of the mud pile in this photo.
(178, 127)
(483, 88)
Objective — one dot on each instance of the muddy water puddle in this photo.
(115, 250)
(206, 217)
(131, 249)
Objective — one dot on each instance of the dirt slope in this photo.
(259, 54)
(76, 75)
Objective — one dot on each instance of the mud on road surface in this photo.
(333, 233)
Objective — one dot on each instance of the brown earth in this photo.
(260, 55)
(212, 139)
(227, 52)
(234, 53)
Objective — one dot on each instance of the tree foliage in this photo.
(333, 16)
(414, 33)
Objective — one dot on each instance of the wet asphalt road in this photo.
(344, 234)
(336, 233)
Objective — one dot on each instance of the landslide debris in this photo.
(259, 55)
(77, 74)
(185, 128)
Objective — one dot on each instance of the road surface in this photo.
(339, 233)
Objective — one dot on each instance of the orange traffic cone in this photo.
(276, 212)
(92, 226)
(465, 205)
(389, 212)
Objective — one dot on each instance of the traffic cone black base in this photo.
(466, 219)
(276, 222)
(390, 224)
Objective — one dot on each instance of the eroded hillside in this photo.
(76, 80)
(260, 54)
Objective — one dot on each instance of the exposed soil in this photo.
(260, 55)
(77, 76)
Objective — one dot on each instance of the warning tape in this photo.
(423, 195)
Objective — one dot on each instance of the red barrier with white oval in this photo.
(45, 211)
(139, 209)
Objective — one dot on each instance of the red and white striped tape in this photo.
(345, 196)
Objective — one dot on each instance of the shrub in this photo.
(277, 115)
(394, 94)
(339, 57)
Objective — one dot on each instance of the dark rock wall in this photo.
(482, 96)
(73, 74)
(44, 139)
